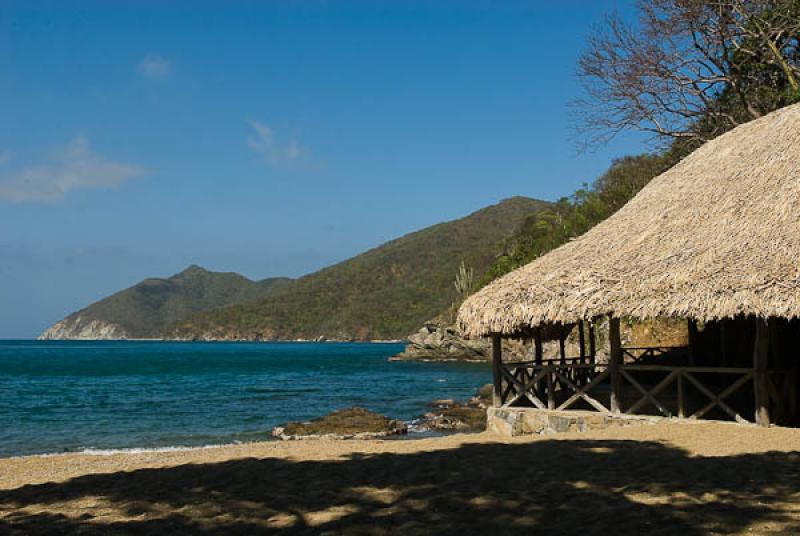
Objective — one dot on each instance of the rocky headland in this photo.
(77, 327)
(436, 342)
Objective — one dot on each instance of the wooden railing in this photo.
(637, 354)
(542, 383)
(782, 390)
(681, 376)
(562, 384)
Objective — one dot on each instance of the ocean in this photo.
(95, 396)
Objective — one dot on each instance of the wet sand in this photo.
(697, 478)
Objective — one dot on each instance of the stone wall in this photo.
(510, 422)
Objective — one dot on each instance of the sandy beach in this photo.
(698, 478)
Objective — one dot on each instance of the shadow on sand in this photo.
(559, 487)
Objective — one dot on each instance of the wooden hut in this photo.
(716, 241)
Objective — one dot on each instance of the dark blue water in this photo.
(69, 396)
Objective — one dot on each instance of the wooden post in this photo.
(681, 402)
(794, 379)
(537, 339)
(722, 343)
(539, 355)
(562, 351)
(581, 375)
(614, 362)
(497, 372)
(760, 358)
(592, 342)
(692, 340)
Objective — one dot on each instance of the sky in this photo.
(268, 138)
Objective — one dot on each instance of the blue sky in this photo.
(267, 138)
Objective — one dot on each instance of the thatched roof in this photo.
(716, 236)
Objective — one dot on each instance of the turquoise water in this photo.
(71, 396)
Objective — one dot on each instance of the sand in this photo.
(700, 478)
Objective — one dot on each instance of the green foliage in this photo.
(385, 293)
(147, 308)
(465, 280)
(572, 216)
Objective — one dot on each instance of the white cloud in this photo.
(75, 167)
(264, 143)
(154, 67)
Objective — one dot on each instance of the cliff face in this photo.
(442, 342)
(76, 327)
(435, 342)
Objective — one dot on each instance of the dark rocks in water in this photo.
(443, 343)
(449, 415)
(484, 395)
(459, 418)
(350, 423)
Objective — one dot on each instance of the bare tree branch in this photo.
(690, 68)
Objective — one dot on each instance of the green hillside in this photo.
(384, 293)
(147, 308)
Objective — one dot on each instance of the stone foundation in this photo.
(510, 422)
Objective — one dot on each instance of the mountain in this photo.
(147, 309)
(385, 293)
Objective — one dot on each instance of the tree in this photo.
(572, 216)
(690, 69)
(464, 281)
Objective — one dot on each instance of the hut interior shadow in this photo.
(715, 376)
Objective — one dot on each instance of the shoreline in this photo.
(417, 428)
(256, 406)
(704, 436)
(81, 462)
(412, 435)
(695, 478)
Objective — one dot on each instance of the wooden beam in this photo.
(497, 373)
(760, 358)
(524, 389)
(722, 343)
(561, 349)
(650, 396)
(582, 392)
(582, 341)
(780, 409)
(692, 340)
(794, 380)
(537, 339)
(712, 370)
(614, 362)
(718, 400)
(592, 342)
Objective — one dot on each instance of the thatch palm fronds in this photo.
(715, 236)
